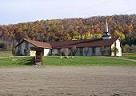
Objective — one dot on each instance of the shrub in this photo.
(126, 48)
(2, 45)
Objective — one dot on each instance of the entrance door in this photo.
(38, 57)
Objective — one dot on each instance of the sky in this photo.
(17, 11)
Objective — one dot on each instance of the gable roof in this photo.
(83, 43)
(38, 44)
(68, 43)
(71, 43)
(98, 43)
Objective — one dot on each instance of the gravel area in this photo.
(68, 81)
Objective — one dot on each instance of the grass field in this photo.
(7, 60)
(130, 55)
(76, 61)
(88, 61)
(15, 61)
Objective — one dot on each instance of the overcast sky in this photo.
(15, 11)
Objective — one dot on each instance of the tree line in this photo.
(122, 26)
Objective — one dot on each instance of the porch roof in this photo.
(38, 44)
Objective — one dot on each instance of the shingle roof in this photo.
(71, 43)
(62, 44)
(36, 43)
(97, 43)
(83, 43)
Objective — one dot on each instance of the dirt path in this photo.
(68, 81)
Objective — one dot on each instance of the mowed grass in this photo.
(130, 55)
(7, 60)
(15, 61)
(88, 61)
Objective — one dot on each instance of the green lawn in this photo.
(88, 61)
(15, 61)
(130, 55)
(10, 61)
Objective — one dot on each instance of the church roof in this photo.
(71, 43)
(83, 43)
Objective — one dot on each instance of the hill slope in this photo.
(123, 26)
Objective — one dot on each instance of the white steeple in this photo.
(106, 34)
(106, 26)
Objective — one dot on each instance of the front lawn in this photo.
(130, 55)
(76, 61)
(87, 61)
(15, 61)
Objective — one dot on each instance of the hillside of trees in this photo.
(122, 26)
